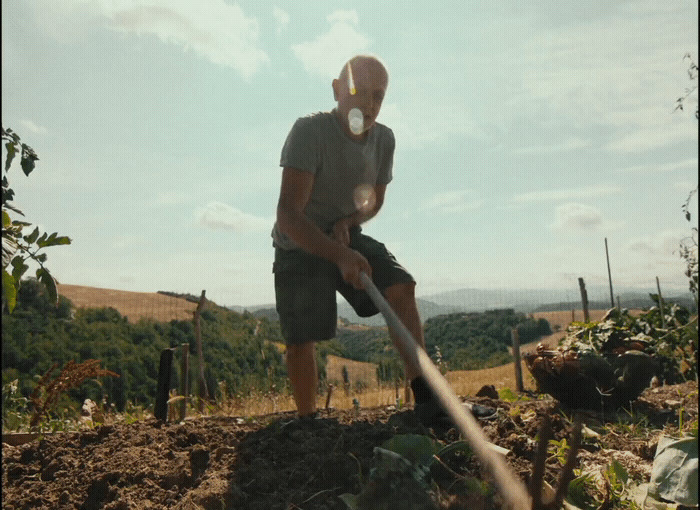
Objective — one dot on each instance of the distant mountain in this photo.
(530, 300)
(426, 309)
(520, 300)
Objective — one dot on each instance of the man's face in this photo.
(370, 80)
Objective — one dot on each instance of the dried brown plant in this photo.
(46, 394)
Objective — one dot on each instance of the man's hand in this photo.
(341, 231)
(351, 263)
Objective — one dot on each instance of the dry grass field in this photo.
(133, 305)
(151, 305)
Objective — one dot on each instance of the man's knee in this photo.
(401, 295)
(301, 351)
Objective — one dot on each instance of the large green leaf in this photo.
(9, 290)
(674, 474)
(28, 159)
(11, 151)
(31, 238)
(52, 240)
(416, 448)
(18, 268)
(45, 277)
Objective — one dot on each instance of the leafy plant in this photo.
(14, 407)
(17, 246)
(675, 347)
(403, 474)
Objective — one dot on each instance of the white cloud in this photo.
(326, 54)
(617, 70)
(567, 145)
(648, 138)
(281, 19)
(662, 244)
(661, 167)
(32, 127)
(450, 202)
(574, 216)
(218, 216)
(214, 29)
(566, 194)
(170, 198)
(341, 16)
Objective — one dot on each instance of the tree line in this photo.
(240, 354)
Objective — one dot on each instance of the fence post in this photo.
(184, 383)
(202, 383)
(661, 304)
(516, 354)
(584, 299)
(164, 369)
(607, 257)
(328, 397)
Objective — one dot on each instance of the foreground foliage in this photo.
(17, 246)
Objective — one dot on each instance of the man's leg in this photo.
(303, 373)
(401, 297)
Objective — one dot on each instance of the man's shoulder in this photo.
(384, 130)
(315, 119)
(385, 135)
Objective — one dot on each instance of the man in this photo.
(336, 167)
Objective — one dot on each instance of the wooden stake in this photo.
(516, 355)
(607, 257)
(184, 382)
(164, 370)
(202, 383)
(328, 397)
(584, 300)
(661, 304)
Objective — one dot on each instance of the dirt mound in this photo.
(276, 462)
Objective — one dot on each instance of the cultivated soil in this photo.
(277, 462)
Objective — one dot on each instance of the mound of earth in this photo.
(277, 462)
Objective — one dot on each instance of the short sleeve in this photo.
(302, 149)
(385, 171)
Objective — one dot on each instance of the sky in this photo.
(526, 134)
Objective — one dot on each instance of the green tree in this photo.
(17, 245)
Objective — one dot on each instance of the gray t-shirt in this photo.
(318, 144)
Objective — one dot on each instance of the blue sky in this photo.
(527, 132)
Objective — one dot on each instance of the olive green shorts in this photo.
(306, 285)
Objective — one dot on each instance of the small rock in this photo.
(488, 390)
(64, 498)
(199, 460)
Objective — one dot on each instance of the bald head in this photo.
(360, 88)
(364, 66)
